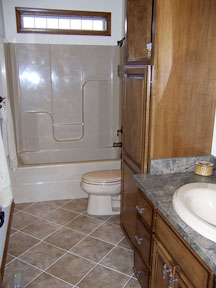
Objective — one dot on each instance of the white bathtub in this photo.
(33, 183)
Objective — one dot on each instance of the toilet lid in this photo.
(102, 177)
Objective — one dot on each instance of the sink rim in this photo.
(200, 225)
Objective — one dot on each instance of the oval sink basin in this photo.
(195, 203)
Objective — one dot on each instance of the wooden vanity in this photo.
(162, 256)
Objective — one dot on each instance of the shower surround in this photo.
(66, 108)
(66, 102)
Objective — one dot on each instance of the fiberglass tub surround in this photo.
(67, 102)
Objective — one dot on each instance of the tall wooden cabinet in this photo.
(169, 97)
(136, 102)
(183, 62)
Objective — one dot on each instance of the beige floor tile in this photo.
(115, 219)
(21, 206)
(77, 205)
(12, 231)
(84, 224)
(102, 218)
(102, 277)
(133, 284)
(28, 272)
(108, 232)
(9, 258)
(58, 203)
(41, 229)
(70, 268)
(92, 249)
(42, 255)
(61, 216)
(124, 243)
(65, 238)
(120, 259)
(15, 211)
(20, 242)
(22, 219)
(41, 208)
(47, 281)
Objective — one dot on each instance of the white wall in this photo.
(116, 7)
(213, 152)
(1, 20)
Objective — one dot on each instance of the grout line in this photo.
(89, 234)
(69, 251)
(33, 266)
(66, 252)
(72, 285)
(86, 274)
(14, 258)
(32, 203)
(44, 271)
(125, 285)
(98, 263)
(33, 279)
(112, 269)
(53, 276)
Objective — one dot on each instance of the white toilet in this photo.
(103, 188)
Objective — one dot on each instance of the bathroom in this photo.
(57, 139)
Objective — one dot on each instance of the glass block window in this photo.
(30, 20)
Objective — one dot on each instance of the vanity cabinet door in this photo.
(128, 210)
(180, 281)
(141, 271)
(185, 258)
(162, 268)
(139, 28)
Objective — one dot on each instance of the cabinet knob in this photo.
(171, 280)
(165, 271)
(138, 240)
(140, 210)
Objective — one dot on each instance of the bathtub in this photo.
(77, 154)
(33, 183)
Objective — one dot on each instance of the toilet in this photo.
(103, 188)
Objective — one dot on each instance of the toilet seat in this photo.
(104, 178)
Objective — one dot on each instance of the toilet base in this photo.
(103, 205)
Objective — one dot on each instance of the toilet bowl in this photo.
(103, 188)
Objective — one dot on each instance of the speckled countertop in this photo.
(159, 189)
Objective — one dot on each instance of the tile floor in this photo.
(57, 244)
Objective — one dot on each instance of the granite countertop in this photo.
(159, 189)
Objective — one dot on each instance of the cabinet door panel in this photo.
(162, 267)
(181, 281)
(141, 272)
(139, 30)
(136, 114)
(192, 268)
(128, 211)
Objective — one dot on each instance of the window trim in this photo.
(20, 11)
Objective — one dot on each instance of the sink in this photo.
(195, 203)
